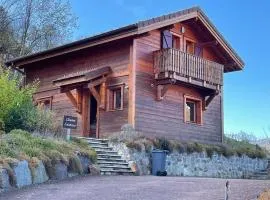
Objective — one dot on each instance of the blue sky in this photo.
(246, 26)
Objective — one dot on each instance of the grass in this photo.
(229, 148)
(21, 145)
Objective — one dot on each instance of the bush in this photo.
(2, 125)
(17, 108)
(163, 144)
(134, 145)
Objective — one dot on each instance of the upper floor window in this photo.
(190, 47)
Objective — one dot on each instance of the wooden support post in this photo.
(102, 95)
(71, 98)
(85, 113)
(79, 100)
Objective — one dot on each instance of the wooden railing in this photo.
(173, 62)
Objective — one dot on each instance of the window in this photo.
(115, 101)
(190, 47)
(117, 98)
(45, 103)
(176, 42)
(192, 110)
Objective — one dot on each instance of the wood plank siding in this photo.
(165, 118)
(116, 55)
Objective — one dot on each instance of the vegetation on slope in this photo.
(21, 145)
(229, 148)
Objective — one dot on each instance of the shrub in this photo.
(127, 134)
(177, 146)
(134, 145)
(2, 125)
(163, 144)
(17, 108)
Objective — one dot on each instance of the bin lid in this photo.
(159, 151)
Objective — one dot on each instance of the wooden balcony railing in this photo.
(173, 63)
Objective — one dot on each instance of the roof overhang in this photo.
(82, 77)
(132, 31)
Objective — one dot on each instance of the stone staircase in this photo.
(263, 174)
(109, 161)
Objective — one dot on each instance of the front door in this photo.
(93, 116)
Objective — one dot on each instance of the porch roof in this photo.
(82, 76)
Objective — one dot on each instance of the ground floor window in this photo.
(45, 103)
(115, 97)
(192, 110)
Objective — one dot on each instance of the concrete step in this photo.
(260, 177)
(94, 139)
(116, 172)
(110, 159)
(261, 173)
(109, 156)
(98, 144)
(102, 148)
(114, 167)
(106, 152)
(104, 163)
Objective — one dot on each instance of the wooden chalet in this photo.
(164, 76)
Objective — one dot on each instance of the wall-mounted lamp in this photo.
(182, 29)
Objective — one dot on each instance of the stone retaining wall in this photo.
(195, 164)
(20, 174)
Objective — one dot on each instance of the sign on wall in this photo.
(70, 122)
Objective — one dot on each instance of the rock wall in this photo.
(199, 164)
(21, 174)
(195, 164)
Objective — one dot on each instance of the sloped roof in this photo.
(129, 31)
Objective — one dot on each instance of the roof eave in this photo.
(88, 41)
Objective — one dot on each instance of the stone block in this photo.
(4, 180)
(94, 170)
(22, 174)
(39, 174)
(57, 171)
(85, 162)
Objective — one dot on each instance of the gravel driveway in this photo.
(139, 188)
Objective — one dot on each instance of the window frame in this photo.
(111, 97)
(179, 38)
(186, 39)
(41, 100)
(198, 109)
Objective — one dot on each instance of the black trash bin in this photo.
(158, 162)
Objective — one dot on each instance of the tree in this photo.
(7, 41)
(38, 24)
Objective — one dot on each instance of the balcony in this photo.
(175, 65)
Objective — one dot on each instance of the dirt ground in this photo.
(141, 187)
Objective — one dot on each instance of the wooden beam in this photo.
(97, 82)
(161, 90)
(95, 94)
(71, 98)
(211, 43)
(209, 100)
